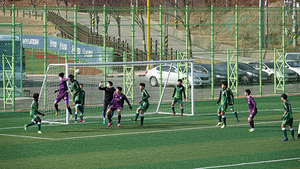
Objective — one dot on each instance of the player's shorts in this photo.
(252, 115)
(231, 107)
(144, 106)
(288, 122)
(114, 108)
(105, 105)
(37, 119)
(175, 100)
(80, 107)
(64, 96)
(223, 108)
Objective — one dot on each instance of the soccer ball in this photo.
(78, 71)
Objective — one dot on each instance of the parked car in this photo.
(268, 67)
(293, 65)
(153, 76)
(247, 74)
(219, 74)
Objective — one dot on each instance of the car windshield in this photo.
(293, 64)
(270, 65)
(245, 67)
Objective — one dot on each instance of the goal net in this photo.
(160, 80)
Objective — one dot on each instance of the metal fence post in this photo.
(260, 52)
(212, 51)
(237, 50)
(75, 38)
(283, 46)
(45, 54)
(161, 48)
(13, 57)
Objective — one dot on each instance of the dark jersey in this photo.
(118, 100)
(288, 108)
(83, 96)
(109, 93)
(178, 91)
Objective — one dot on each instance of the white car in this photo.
(153, 76)
(268, 67)
(293, 65)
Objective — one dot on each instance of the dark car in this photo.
(219, 74)
(247, 74)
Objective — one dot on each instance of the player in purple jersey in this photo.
(117, 104)
(62, 94)
(252, 109)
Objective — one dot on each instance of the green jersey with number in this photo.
(75, 88)
(224, 96)
(34, 109)
(145, 96)
(178, 91)
(288, 108)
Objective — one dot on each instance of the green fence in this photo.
(206, 34)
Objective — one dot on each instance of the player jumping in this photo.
(224, 99)
(117, 104)
(144, 104)
(252, 109)
(109, 93)
(62, 94)
(177, 96)
(76, 91)
(287, 117)
(33, 113)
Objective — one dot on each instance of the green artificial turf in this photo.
(163, 142)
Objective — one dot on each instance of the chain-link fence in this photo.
(243, 38)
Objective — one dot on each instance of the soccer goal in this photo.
(160, 80)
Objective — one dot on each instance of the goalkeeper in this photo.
(109, 93)
(287, 118)
(177, 96)
(77, 96)
(144, 104)
(33, 113)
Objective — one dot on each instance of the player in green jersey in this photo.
(177, 96)
(34, 112)
(287, 117)
(231, 103)
(144, 104)
(223, 101)
(77, 95)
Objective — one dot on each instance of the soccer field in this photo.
(163, 142)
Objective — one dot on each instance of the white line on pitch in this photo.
(133, 133)
(42, 138)
(259, 162)
(154, 118)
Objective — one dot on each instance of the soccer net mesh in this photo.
(128, 76)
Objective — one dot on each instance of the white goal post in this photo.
(160, 81)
